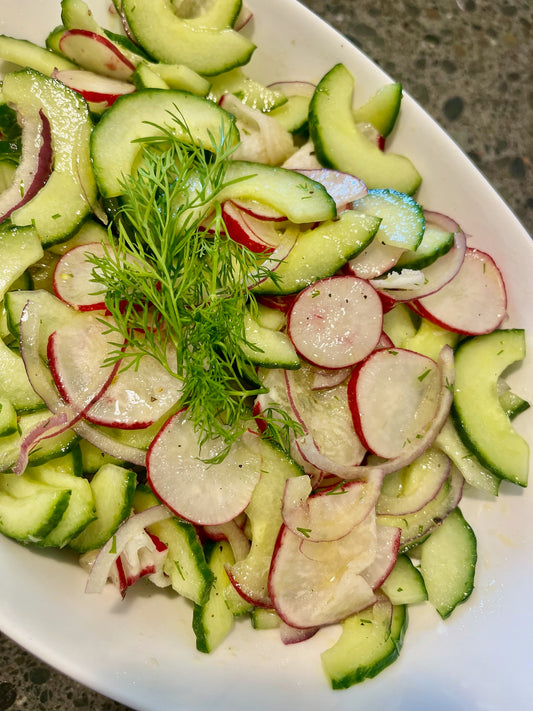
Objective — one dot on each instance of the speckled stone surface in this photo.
(469, 63)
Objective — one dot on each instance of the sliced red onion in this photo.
(243, 18)
(295, 635)
(125, 533)
(35, 165)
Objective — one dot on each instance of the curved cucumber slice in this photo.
(382, 109)
(369, 642)
(168, 38)
(478, 414)
(339, 143)
(30, 518)
(402, 218)
(448, 563)
(69, 194)
(134, 116)
(320, 252)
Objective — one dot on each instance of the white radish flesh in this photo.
(474, 303)
(197, 491)
(73, 278)
(394, 396)
(336, 322)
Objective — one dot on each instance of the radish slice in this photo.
(126, 532)
(336, 322)
(388, 545)
(324, 378)
(202, 493)
(293, 635)
(474, 303)
(35, 165)
(77, 353)
(314, 584)
(138, 396)
(275, 258)
(73, 278)
(436, 275)
(258, 210)
(141, 558)
(375, 260)
(343, 187)
(326, 415)
(331, 513)
(411, 451)
(257, 235)
(231, 532)
(95, 88)
(95, 53)
(393, 396)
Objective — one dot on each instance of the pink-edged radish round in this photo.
(257, 235)
(336, 322)
(73, 278)
(96, 53)
(394, 395)
(388, 545)
(95, 88)
(343, 187)
(201, 492)
(320, 583)
(474, 303)
(330, 513)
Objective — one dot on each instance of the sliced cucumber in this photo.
(478, 414)
(185, 565)
(264, 618)
(370, 641)
(213, 621)
(339, 143)
(20, 247)
(14, 383)
(30, 518)
(168, 38)
(297, 197)
(81, 508)
(113, 488)
(216, 15)
(382, 109)
(448, 563)
(114, 141)
(402, 218)
(429, 339)
(69, 195)
(320, 252)
(249, 91)
(27, 54)
(405, 584)
(8, 418)
(435, 242)
(268, 348)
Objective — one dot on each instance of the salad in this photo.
(263, 374)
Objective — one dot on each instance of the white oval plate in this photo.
(142, 651)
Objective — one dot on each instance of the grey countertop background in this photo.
(469, 63)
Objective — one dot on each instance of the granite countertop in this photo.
(468, 62)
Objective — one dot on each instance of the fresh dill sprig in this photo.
(177, 286)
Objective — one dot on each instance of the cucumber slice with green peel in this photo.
(81, 508)
(52, 41)
(68, 196)
(29, 519)
(115, 139)
(93, 458)
(480, 419)
(27, 54)
(216, 15)
(512, 403)
(320, 252)
(293, 114)
(20, 247)
(370, 641)
(268, 348)
(292, 194)
(8, 418)
(113, 488)
(405, 584)
(264, 619)
(429, 339)
(402, 218)
(435, 242)
(249, 91)
(179, 76)
(213, 621)
(340, 144)
(382, 109)
(144, 78)
(186, 566)
(448, 563)
(14, 383)
(168, 38)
